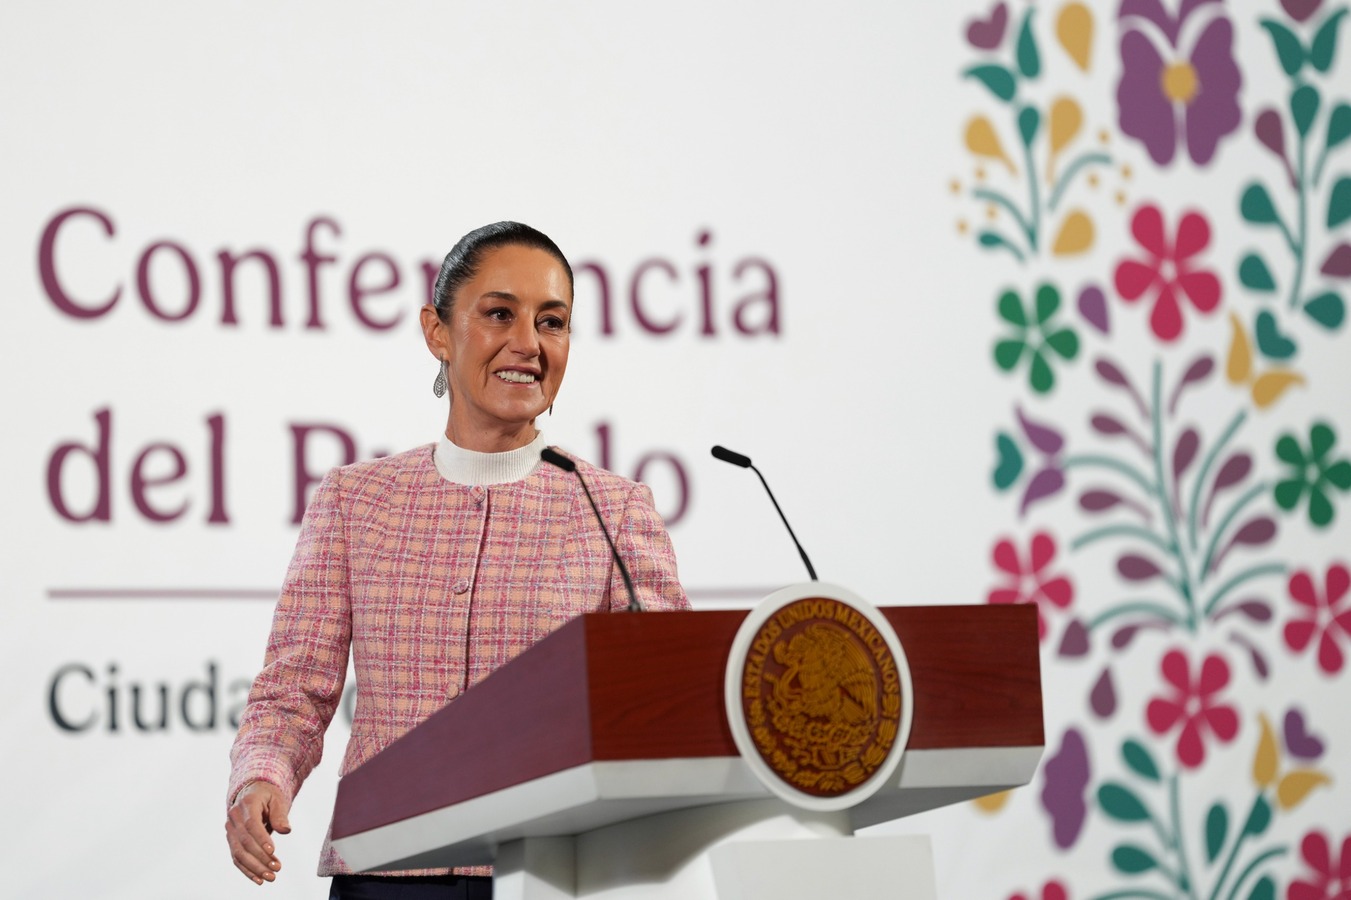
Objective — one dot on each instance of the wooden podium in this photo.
(600, 763)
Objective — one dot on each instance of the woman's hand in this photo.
(259, 809)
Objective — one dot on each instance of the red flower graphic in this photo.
(1169, 270)
(1324, 617)
(1030, 582)
(1331, 878)
(1194, 705)
(1051, 890)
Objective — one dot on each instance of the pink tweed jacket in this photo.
(432, 586)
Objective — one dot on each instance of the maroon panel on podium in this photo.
(613, 687)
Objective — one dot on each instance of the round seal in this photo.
(818, 695)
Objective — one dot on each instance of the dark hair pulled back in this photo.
(462, 262)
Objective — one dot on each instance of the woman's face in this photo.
(506, 344)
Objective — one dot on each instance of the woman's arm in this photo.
(281, 732)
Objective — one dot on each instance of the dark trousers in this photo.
(411, 887)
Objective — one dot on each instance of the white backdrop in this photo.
(813, 148)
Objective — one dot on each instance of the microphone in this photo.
(737, 459)
(554, 458)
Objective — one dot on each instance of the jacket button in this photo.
(461, 586)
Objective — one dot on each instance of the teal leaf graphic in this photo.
(1259, 818)
(1029, 120)
(1255, 275)
(1029, 60)
(1217, 828)
(992, 239)
(1327, 309)
(1270, 340)
(998, 79)
(1339, 203)
(1339, 125)
(1256, 205)
(1288, 48)
(1009, 462)
(1265, 889)
(1323, 50)
(1121, 803)
(1131, 859)
(1304, 101)
(1139, 760)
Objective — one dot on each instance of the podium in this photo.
(600, 763)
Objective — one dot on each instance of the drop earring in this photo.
(439, 385)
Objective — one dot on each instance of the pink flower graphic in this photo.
(1029, 581)
(1169, 269)
(1323, 617)
(1330, 878)
(1194, 705)
(1051, 890)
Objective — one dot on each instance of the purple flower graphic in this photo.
(1063, 794)
(1177, 84)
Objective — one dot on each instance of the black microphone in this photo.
(554, 458)
(737, 459)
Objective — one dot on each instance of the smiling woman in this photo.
(504, 346)
(433, 567)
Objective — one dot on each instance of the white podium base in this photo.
(754, 850)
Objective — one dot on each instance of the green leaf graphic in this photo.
(1029, 60)
(1304, 107)
(998, 79)
(1288, 48)
(1131, 859)
(1010, 461)
(1339, 203)
(1339, 125)
(1265, 889)
(1256, 205)
(1029, 120)
(1255, 275)
(1121, 804)
(1139, 760)
(1217, 828)
(1327, 309)
(1259, 818)
(1324, 47)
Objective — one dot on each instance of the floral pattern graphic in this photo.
(1320, 619)
(1170, 512)
(1328, 876)
(1028, 578)
(1173, 92)
(1036, 339)
(1312, 473)
(1194, 706)
(1168, 272)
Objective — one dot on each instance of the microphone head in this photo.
(554, 458)
(731, 456)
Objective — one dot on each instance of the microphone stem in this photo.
(803, 553)
(634, 605)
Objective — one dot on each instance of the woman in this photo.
(438, 565)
